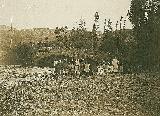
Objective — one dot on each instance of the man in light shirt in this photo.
(115, 64)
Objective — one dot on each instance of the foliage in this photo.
(81, 39)
(120, 44)
(23, 54)
(144, 15)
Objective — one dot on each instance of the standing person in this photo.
(115, 64)
(77, 66)
(82, 66)
(71, 67)
(87, 68)
(100, 70)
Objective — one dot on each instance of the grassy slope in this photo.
(110, 95)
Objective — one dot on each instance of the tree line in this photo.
(137, 49)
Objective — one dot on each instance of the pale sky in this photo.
(52, 13)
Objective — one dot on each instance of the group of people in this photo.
(82, 67)
(71, 67)
(113, 67)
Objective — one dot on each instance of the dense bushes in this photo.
(23, 54)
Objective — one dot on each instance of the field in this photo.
(37, 92)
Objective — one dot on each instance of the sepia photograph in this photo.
(79, 57)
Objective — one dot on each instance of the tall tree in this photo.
(146, 21)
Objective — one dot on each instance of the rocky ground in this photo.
(37, 92)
